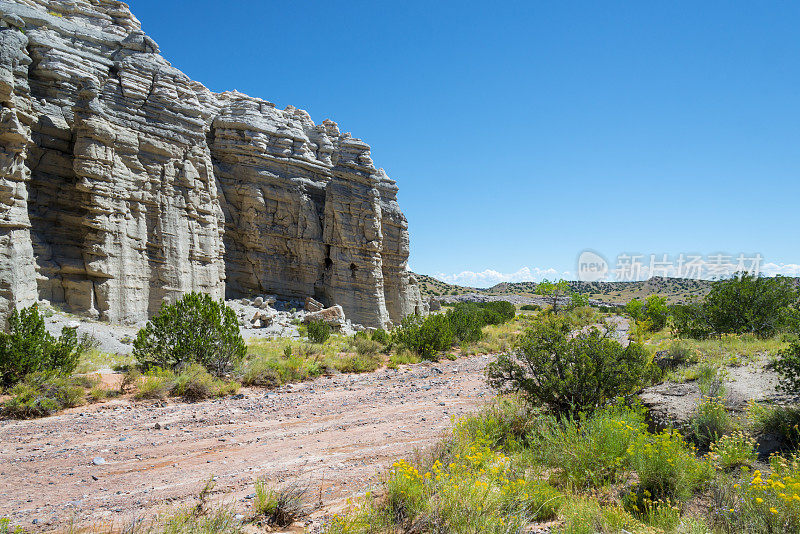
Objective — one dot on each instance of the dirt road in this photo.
(118, 460)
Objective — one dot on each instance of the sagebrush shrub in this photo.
(156, 384)
(28, 348)
(193, 383)
(403, 356)
(196, 329)
(358, 363)
(676, 355)
(568, 373)
(506, 423)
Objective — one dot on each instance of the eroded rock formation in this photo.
(124, 184)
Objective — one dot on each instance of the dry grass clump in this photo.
(193, 383)
(278, 506)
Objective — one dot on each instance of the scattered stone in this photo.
(313, 305)
(334, 316)
(99, 460)
(263, 318)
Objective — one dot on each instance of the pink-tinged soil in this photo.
(119, 460)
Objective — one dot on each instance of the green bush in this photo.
(42, 394)
(402, 356)
(466, 321)
(381, 336)
(427, 336)
(318, 331)
(585, 516)
(463, 323)
(676, 355)
(272, 372)
(570, 374)
(498, 311)
(742, 304)
(788, 368)
(28, 348)
(196, 329)
(653, 312)
(750, 503)
(689, 321)
(530, 307)
(506, 424)
(5, 527)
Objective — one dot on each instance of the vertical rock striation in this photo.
(124, 184)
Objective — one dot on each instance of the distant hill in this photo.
(675, 289)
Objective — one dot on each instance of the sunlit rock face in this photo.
(124, 184)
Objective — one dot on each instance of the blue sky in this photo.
(523, 133)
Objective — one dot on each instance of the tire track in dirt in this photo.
(344, 430)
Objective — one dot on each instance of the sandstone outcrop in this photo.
(334, 316)
(124, 184)
(313, 305)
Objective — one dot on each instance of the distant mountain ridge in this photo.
(675, 289)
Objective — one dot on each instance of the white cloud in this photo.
(490, 277)
(786, 269)
(706, 270)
